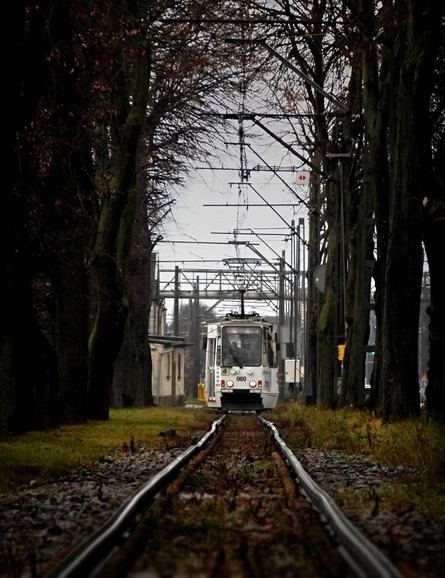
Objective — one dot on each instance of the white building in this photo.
(167, 354)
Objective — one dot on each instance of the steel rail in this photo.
(90, 552)
(362, 555)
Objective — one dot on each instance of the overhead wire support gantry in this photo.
(254, 118)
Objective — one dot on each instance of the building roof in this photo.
(169, 340)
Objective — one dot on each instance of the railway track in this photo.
(228, 507)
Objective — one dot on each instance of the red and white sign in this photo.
(301, 177)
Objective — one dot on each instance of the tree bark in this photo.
(329, 322)
(132, 379)
(377, 66)
(71, 335)
(434, 243)
(27, 363)
(412, 170)
(357, 246)
(434, 239)
(112, 251)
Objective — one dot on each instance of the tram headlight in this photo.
(229, 383)
(252, 383)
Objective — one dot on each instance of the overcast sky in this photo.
(204, 215)
(204, 212)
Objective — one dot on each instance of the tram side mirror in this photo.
(204, 342)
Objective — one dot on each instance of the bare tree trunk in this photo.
(434, 242)
(357, 248)
(412, 169)
(71, 336)
(313, 298)
(132, 379)
(26, 357)
(357, 315)
(112, 308)
(329, 320)
(434, 238)
(377, 89)
(112, 251)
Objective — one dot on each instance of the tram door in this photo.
(210, 364)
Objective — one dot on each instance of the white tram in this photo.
(241, 364)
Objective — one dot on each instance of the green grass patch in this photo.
(394, 496)
(413, 442)
(39, 455)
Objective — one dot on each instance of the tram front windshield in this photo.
(241, 346)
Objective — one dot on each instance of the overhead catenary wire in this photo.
(275, 172)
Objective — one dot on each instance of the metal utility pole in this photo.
(196, 340)
(281, 325)
(302, 294)
(176, 304)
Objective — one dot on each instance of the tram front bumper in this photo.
(241, 400)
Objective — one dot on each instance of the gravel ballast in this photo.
(41, 522)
